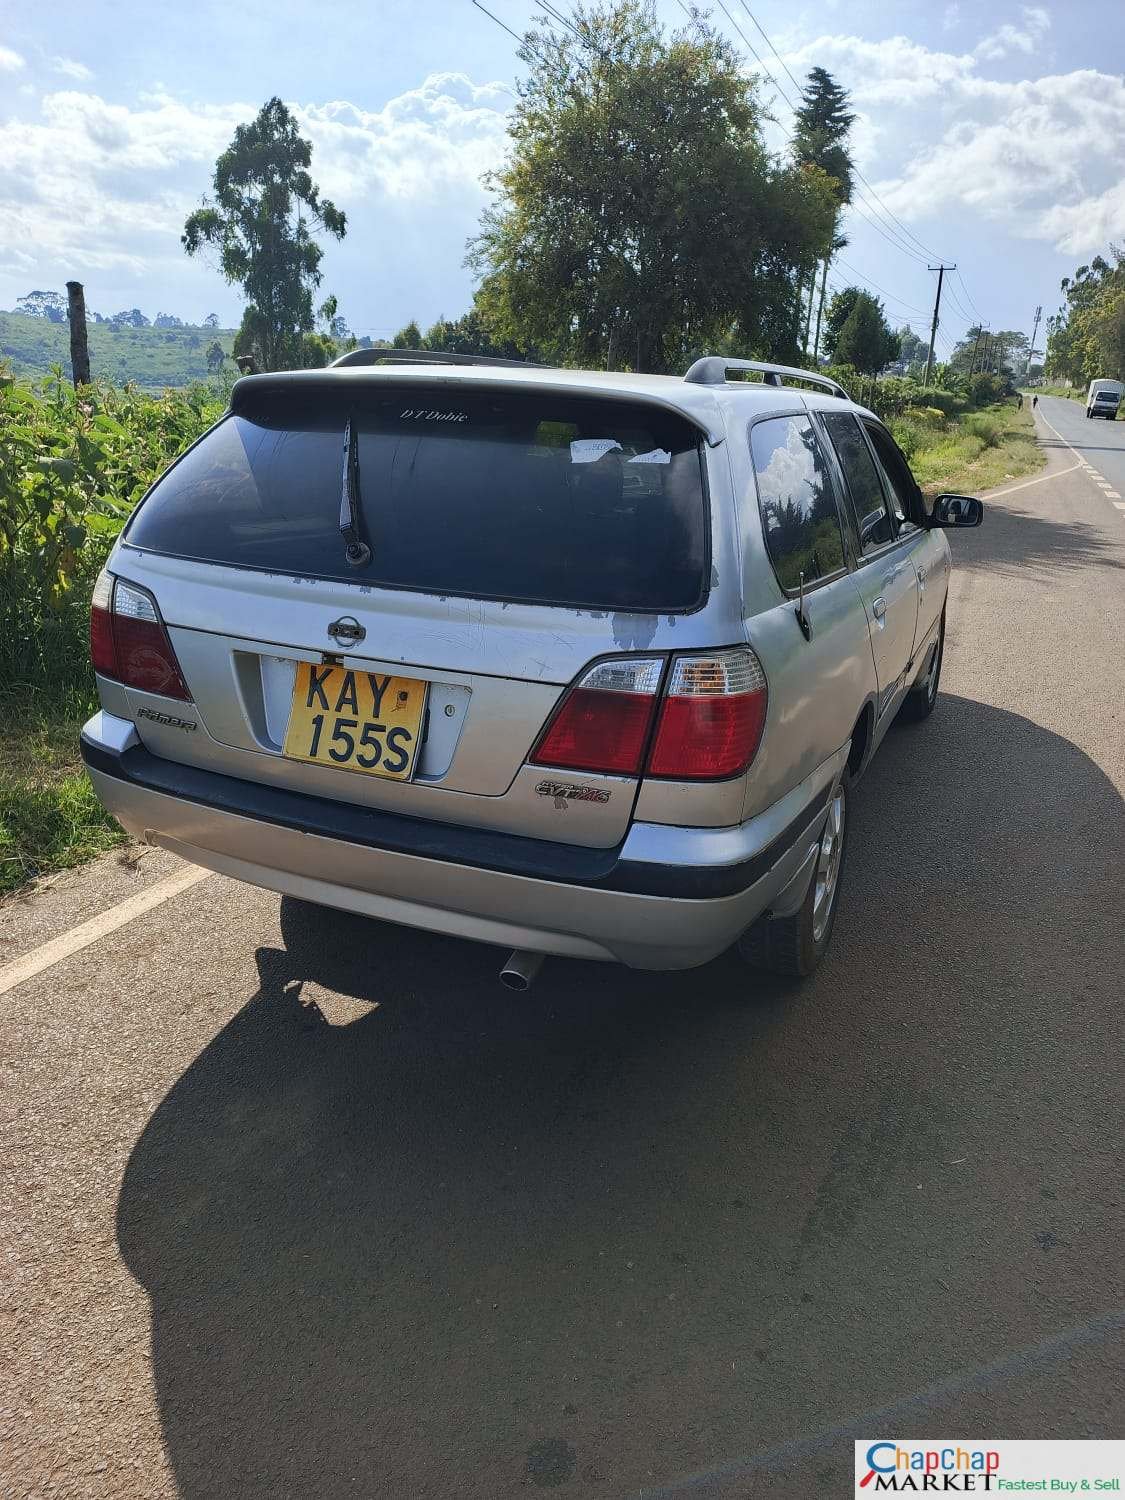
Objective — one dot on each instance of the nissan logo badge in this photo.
(347, 631)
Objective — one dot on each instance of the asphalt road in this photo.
(302, 1205)
(1101, 443)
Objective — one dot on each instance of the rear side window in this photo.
(872, 517)
(799, 515)
(540, 497)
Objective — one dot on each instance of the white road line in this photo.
(993, 494)
(53, 952)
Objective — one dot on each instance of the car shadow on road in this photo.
(468, 1243)
(1061, 446)
(1016, 539)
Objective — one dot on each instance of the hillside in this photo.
(150, 357)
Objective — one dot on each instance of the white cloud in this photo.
(1036, 23)
(101, 190)
(10, 62)
(1031, 158)
(71, 69)
(1027, 155)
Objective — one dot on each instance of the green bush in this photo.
(908, 434)
(985, 389)
(947, 402)
(988, 429)
(72, 466)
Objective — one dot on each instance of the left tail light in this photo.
(128, 641)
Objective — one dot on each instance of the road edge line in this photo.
(86, 933)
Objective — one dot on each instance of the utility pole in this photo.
(976, 349)
(941, 270)
(1031, 346)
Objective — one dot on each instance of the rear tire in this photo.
(920, 701)
(795, 945)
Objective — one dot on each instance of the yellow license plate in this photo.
(356, 721)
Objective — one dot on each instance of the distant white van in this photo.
(1103, 398)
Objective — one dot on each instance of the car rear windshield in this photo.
(542, 497)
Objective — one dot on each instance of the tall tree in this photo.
(822, 125)
(639, 218)
(1086, 338)
(866, 341)
(839, 310)
(262, 217)
(820, 133)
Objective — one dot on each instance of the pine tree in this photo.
(822, 125)
(820, 140)
(866, 342)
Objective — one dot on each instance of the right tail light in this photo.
(712, 717)
(128, 641)
(705, 725)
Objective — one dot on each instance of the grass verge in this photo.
(975, 451)
(49, 816)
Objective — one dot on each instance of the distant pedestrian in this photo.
(1019, 398)
(1034, 402)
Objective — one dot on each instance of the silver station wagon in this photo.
(575, 663)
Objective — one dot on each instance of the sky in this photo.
(990, 135)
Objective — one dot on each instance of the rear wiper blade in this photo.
(356, 549)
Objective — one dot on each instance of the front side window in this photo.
(873, 520)
(902, 490)
(799, 514)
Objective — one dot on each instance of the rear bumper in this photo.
(667, 898)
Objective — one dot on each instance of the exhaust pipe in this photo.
(520, 970)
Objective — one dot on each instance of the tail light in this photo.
(604, 721)
(712, 717)
(128, 641)
(708, 722)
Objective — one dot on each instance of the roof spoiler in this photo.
(382, 356)
(712, 370)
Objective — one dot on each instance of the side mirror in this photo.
(956, 510)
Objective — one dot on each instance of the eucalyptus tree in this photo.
(262, 218)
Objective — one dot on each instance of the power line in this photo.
(968, 294)
(909, 233)
(772, 48)
(498, 21)
(909, 305)
(760, 58)
(884, 226)
(868, 212)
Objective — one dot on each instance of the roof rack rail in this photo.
(712, 370)
(423, 357)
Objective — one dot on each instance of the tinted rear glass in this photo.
(543, 497)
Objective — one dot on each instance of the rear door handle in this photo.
(879, 608)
